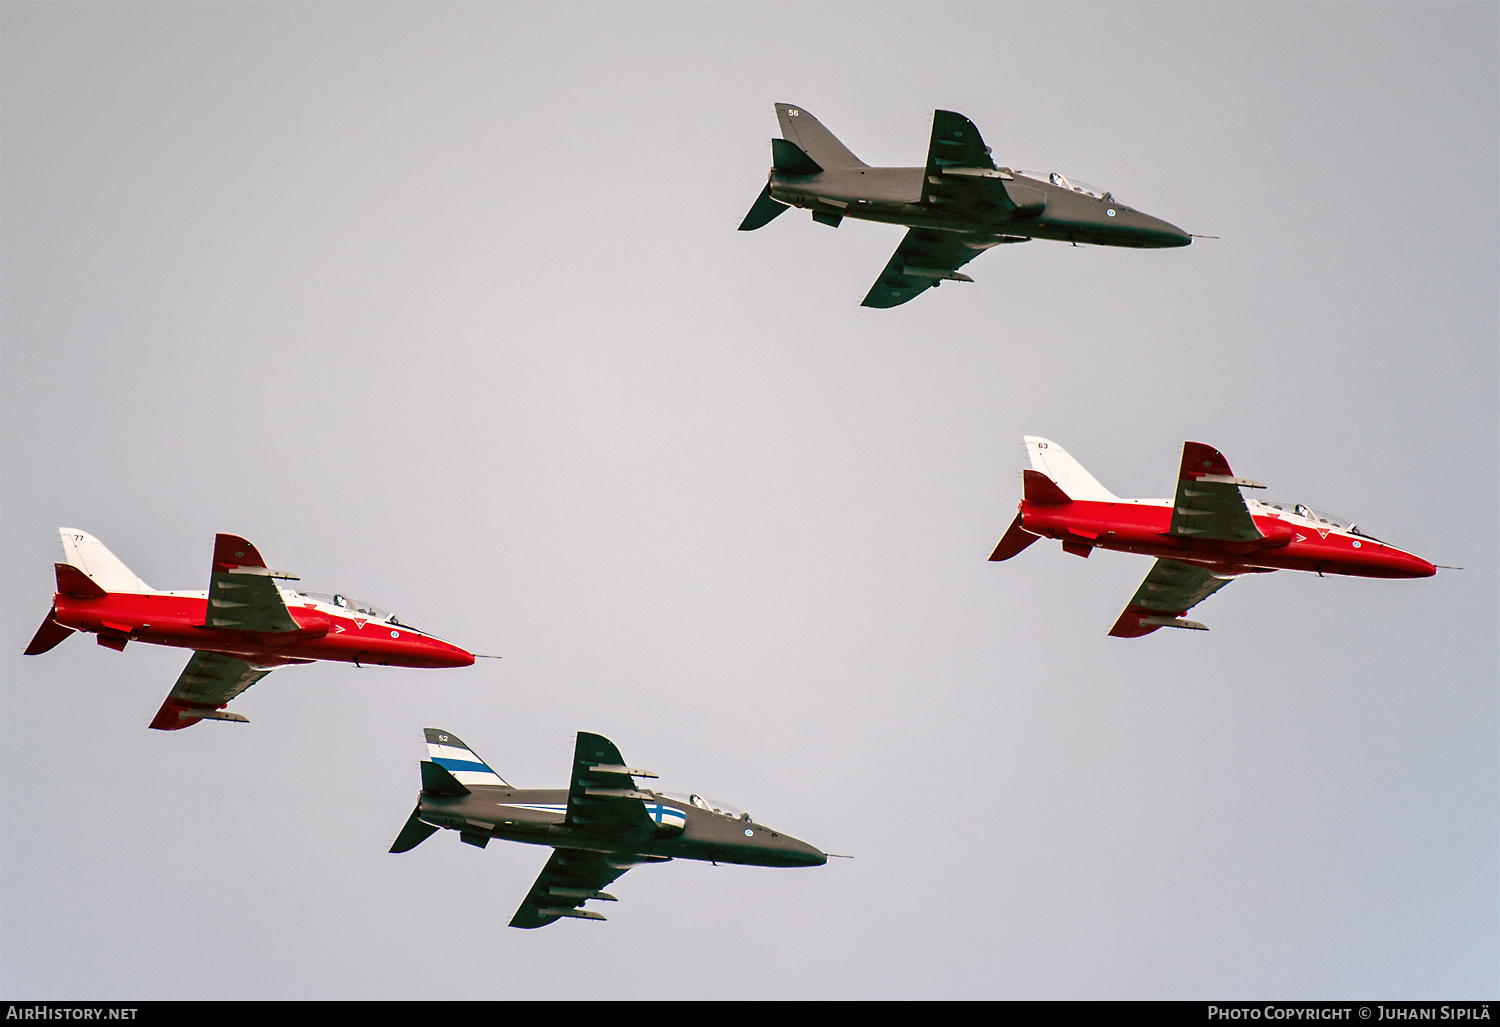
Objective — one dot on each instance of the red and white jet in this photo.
(242, 628)
(1203, 539)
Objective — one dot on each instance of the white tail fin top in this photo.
(1056, 463)
(448, 751)
(88, 554)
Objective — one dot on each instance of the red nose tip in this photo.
(456, 657)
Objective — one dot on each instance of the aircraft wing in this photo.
(602, 795)
(570, 878)
(924, 258)
(242, 592)
(960, 176)
(956, 143)
(1208, 503)
(209, 681)
(1169, 591)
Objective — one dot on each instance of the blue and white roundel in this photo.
(666, 816)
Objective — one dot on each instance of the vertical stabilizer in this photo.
(448, 751)
(88, 554)
(800, 127)
(1055, 462)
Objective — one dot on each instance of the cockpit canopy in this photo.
(1320, 517)
(356, 607)
(712, 805)
(1067, 182)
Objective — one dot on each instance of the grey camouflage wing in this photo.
(924, 258)
(569, 879)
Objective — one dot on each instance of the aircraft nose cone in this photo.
(446, 654)
(802, 854)
(1145, 231)
(1420, 568)
(1166, 235)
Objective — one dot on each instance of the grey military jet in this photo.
(600, 826)
(956, 207)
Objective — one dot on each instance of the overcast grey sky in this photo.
(443, 306)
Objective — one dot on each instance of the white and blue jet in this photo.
(600, 826)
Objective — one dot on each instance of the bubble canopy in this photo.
(356, 607)
(1322, 517)
(1067, 182)
(724, 809)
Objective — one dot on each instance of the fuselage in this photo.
(687, 831)
(1044, 210)
(1294, 540)
(325, 631)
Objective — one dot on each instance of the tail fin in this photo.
(105, 569)
(413, 833)
(1056, 463)
(449, 752)
(48, 636)
(800, 127)
(1015, 539)
(763, 212)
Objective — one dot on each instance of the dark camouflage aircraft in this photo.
(956, 207)
(600, 826)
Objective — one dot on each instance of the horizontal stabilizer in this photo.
(414, 833)
(792, 159)
(438, 781)
(1038, 488)
(763, 212)
(1016, 539)
(73, 582)
(48, 636)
